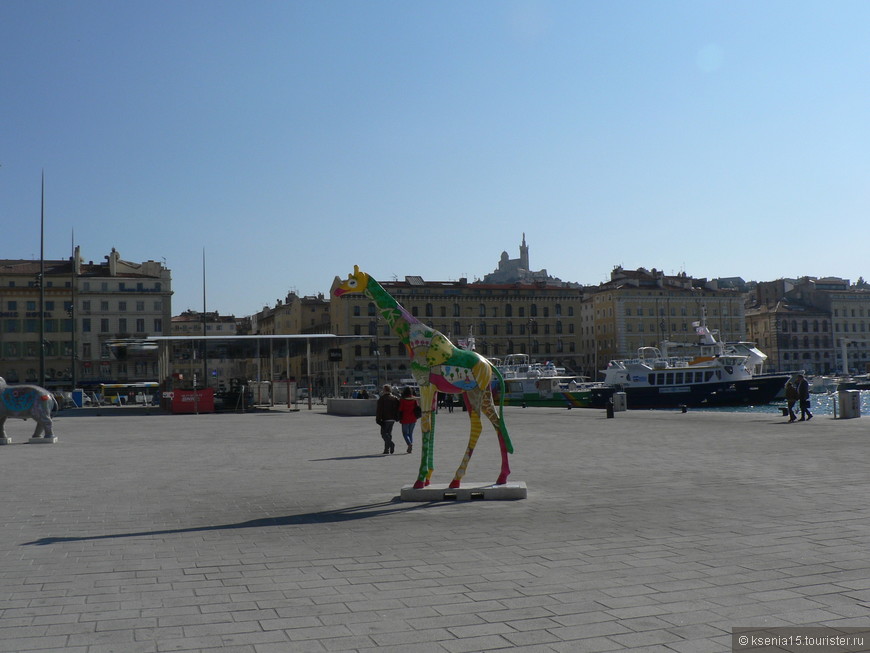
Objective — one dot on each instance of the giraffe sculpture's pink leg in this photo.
(489, 410)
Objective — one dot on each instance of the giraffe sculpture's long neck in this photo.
(394, 313)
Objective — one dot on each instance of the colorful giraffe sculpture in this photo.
(438, 365)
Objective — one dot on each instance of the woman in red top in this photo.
(409, 411)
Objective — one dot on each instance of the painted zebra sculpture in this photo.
(438, 365)
(26, 402)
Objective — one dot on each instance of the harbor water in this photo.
(820, 404)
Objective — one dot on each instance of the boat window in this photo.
(669, 378)
(679, 378)
(651, 379)
(708, 376)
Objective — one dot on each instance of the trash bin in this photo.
(850, 403)
(620, 402)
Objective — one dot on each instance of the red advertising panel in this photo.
(193, 401)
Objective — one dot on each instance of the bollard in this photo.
(610, 409)
(683, 407)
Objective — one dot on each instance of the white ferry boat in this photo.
(710, 373)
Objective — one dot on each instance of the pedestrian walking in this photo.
(386, 415)
(803, 392)
(409, 413)
(791, 397)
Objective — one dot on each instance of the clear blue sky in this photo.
(292, 140)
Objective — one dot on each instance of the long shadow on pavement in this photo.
(393, 507)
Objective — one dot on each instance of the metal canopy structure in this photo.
(163, 343)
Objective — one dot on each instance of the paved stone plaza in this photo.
(282, 531)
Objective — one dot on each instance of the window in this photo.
(140, 306)
(158, 325)
(122, 306)
(11, 306)
(122, 324)
(140, 325)
(104, 325)
(86, 325)
(508, 310)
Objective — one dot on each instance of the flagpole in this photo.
(42, 287)
(204, 344)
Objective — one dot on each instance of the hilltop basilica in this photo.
(517, 270)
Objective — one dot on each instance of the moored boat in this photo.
(544, 384)
(708, 374)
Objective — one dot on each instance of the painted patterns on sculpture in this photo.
(439, 366)
(27, 402)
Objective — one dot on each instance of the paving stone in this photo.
(279, 531)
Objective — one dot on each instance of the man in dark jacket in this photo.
(386, 415)
(803, 390)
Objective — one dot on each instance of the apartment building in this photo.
(539, 319)
(812, 323)
(192, 364)
(641, 308)
(86, 306)
(294, 315)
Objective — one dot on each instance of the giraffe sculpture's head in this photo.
(356, 282)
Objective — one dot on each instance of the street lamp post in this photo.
(531, 323)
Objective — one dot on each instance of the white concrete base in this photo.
(5, 440)
(469, 491)
(51, 440)
(351, 407)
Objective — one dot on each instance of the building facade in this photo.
(192, 366)
(642, 308)
(87, 306)
(819, 325)
(538, 319)
(294, 315)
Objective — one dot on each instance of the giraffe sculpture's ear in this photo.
(356, 270)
